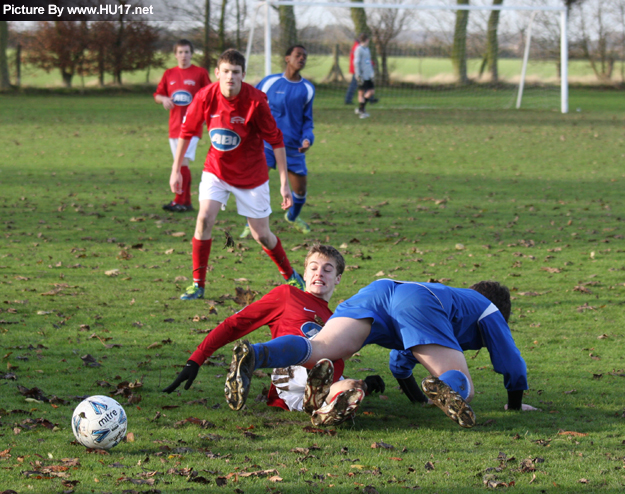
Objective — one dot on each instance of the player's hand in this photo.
(287, 198)
(375, 384)
(168, 104)
(189, 373)
(526, 408)
(359, 80)
(175, 182)
(305, 146)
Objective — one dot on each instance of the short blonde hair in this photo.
(329, 252)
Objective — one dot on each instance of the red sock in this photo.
(278, 256)
(180, 198)
(201, 253)
(186, 185)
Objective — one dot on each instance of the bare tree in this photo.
(491, 57)
(459, 47)
(386, 25)
(288, 28)
(4, 59)
(359, 17)
(597, 40)
(58, 45)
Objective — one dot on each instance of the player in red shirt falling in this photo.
(238, 120)
(290, 311)
(175, 92)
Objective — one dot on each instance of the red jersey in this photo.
(181, 85)
(286, 310)
(237, 129)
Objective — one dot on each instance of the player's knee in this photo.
(204, 225)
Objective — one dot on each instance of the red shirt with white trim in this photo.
(181, 85)
(286, 310)
(237, 128)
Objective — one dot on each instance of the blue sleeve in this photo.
(307, 122)
(504, 355)
(401, 363)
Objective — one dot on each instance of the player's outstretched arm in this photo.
(285, 190)
(188, 373)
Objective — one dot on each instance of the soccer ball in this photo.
(99, 422)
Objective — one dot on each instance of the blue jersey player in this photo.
(435, 322)
(291, 98)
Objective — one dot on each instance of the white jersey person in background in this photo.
(363, 70)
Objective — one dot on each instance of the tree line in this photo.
(80, 48)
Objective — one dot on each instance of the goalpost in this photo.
(531, 43)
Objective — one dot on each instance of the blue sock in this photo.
(282, 352)
(457, 381)
(296, 208)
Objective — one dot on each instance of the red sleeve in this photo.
(266, 124)
(161, 89)
(249, 319)
(194, 117)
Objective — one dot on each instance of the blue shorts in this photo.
(295, 161)
(404, 315)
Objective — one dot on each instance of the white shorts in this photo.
(290, 383)
(173, 144)
(251, 203)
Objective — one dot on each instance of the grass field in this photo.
(535, 199)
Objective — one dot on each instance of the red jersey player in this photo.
(175, 92)
(238, 119)
(287, 311)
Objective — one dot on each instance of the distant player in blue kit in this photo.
(435, 322)
(290, 99)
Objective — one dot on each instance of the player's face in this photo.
(297, 59)
(230, 78)
(321, 277)
(183, 56)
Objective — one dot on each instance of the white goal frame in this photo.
(564, 45)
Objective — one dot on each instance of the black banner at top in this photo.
(82, 10)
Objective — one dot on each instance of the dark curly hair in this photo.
(497, 293)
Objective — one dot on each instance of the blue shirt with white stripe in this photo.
(291, 105)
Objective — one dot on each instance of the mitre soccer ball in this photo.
(99, 422)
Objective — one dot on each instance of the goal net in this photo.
(476, 55)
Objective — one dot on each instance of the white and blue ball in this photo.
(99, 422)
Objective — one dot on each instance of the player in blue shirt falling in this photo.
(291, 98)
(435, 322)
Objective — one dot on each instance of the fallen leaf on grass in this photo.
(137, 481)
(244, 297)
(551, 270)
(130, 437)
(581, 289)
(112, 272)
(178, 234)
(90, 361)
(96, 451)
(204, 424)
(572, 433)
(317, 430)
(429, 465)
(259, 473)
(229, 240)
(382, 445)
